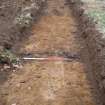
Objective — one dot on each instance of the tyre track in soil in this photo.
(51, 82)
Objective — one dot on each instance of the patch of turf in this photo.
(7, 56)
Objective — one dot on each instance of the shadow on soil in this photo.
(88, 33)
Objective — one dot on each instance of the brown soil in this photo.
(51, 82)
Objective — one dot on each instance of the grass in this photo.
(7, 56)
(97, 13)
(98, 16)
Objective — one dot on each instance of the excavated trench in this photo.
(52, 82)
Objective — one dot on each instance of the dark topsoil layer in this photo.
(10, 32)
(95, 46)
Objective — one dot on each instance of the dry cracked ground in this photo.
(51, 82)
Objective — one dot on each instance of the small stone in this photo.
(6, 67)
(29, 88)
(17, 66)
(18, 85)
(14, 104)
(14, 70)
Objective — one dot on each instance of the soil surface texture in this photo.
(51, 82)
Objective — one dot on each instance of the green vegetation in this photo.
(96, 11)
(98, 16)
(7, 56)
